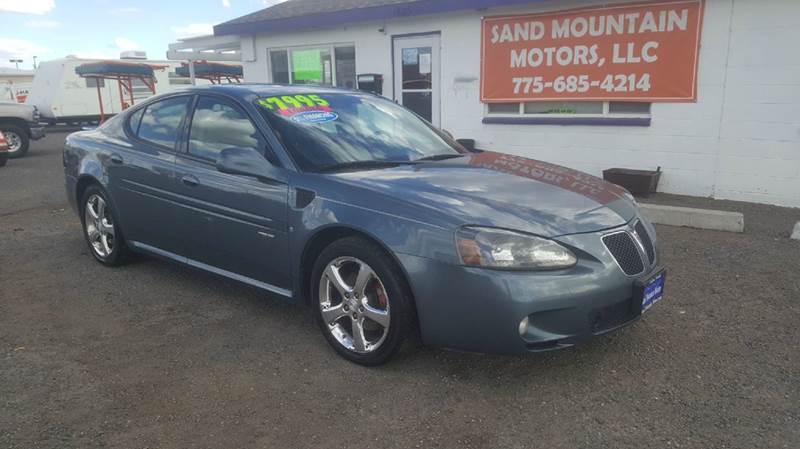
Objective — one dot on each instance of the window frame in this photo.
(184, 151)
(181, 128)
(605, 118)
(288, 49)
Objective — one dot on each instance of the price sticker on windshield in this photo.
(290, 104)
(307, 109)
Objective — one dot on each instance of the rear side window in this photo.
(218, 125)
(135, 119)
(162, 120)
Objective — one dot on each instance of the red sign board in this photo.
(627, 52)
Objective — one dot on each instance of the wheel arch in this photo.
(18, 122)
(84, 181)
(327, 235)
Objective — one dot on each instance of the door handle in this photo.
(190, 181)
(116, 158)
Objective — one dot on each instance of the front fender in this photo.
(84, 165)
(398, 235)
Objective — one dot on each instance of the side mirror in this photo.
(246, 162)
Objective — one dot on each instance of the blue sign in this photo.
(653, 292)
(313, 117)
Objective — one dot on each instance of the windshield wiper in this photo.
(356, 165)
(439, 157)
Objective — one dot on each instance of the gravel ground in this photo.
(155, 355)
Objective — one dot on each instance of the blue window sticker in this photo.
(314, 117)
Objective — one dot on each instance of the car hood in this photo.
(501, 190)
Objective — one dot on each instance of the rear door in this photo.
(236, 224)
(142, 174)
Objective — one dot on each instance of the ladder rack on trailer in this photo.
(124, 73)
(212, 71)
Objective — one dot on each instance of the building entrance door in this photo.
(416, 75)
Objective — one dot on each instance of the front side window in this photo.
(162, 120)
(325, 65)
(323, 131)
(217, 125)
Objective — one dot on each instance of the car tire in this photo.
(101, 228)
(20, 140)
(385, 298)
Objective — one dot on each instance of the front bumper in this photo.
(480, 310)
(37, 132)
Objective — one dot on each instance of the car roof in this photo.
(266, 90)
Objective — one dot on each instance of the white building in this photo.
(736, 136)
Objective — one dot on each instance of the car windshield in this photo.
(328, 131)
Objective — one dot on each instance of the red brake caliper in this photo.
(382, 299)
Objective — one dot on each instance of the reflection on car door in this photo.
(232, 223)
(142, 174)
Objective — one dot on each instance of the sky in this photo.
(51, 29)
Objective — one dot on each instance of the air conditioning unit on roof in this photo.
(134, 54)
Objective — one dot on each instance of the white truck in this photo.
(64, 97)
(19, 123)
(17, 92)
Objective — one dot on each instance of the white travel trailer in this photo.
(64, 97)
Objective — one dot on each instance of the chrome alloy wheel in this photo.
(99, 226)
(14, 141)
(354, 305)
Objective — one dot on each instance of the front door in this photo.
(232, 223)
(416, 75)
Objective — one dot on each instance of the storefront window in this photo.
(562, 107)
(583, 108)
(279, 61)
(312, 66)
(322, 65)
(346, 67)
(504, 108)
(628, 107)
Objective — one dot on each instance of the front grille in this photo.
(646, 241)
(623, 248)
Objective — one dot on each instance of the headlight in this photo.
(498, 248)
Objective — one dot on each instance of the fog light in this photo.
(523, 326)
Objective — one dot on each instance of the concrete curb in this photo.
(694, 218)
(796, 233)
